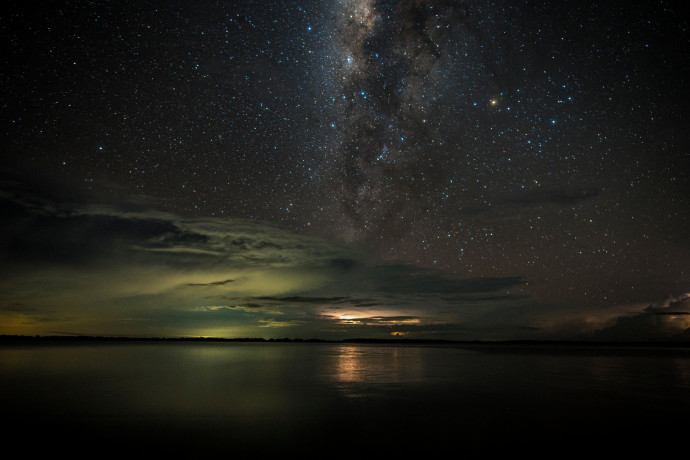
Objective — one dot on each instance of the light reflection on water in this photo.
(246, 394)
(357, 368)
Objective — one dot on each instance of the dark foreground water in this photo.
(335, 400)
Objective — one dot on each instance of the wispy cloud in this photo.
(113, 270)
(212, 283)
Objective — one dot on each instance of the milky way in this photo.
(392, 57)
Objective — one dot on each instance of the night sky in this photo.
(346, 168)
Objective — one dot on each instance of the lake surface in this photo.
(332, 399)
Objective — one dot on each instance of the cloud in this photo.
(405, 279)
(70, 233)
(24, 318)
(17, 307)
(672, 306)
(212, 283)
(667, 320)
(300, 299)
(273, 323)
(117, 271)
(112, 270)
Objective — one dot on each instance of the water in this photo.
(330, 399)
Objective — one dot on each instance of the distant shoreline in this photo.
(45, 339)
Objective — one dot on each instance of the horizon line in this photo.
(400, 340)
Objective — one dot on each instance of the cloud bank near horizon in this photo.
(109, 270)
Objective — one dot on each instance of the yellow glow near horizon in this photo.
(383, 317)
(349, 319)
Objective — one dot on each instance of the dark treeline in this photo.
(8, 339)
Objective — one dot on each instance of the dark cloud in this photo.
(248, 243)
(47, 231)
(333, 301)
(212, 283)
(394, 284)
(343, 264)
(410, 280)
(672, 306)
(668, 320)
(17, 307)
(80, 238)
(302, 299)
(30, 314)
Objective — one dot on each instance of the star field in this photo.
(540, 140)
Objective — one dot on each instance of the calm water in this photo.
(328, 399)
